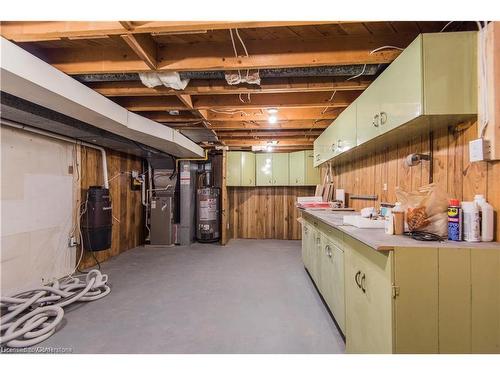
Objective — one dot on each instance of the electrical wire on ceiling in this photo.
(358, 75)
(249, 100)
(228, 112)
(372, 52)
(445, 26)
(329, 101)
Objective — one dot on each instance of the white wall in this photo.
(37, 209)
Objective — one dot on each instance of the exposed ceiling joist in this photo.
(52, 30)
(234, 102)
(287, 100)
(332, 51)
(265, 125)
(284, 114)
(252, 134)
(220, 87)
(282, 142)
(144, 47)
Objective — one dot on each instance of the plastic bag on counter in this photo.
(425, 209)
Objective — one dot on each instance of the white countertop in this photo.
(380, 241)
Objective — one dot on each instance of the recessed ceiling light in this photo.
(272, 119)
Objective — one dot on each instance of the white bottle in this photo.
(486, 218)
(472, 222)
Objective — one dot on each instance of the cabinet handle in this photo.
(362, 283)
(306, 230)
(333, 147)
(327, 250)
(383, 118)
(356, 279)
(375, 120)
(339, 144)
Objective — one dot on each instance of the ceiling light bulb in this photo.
(269, 148)
(272, 119)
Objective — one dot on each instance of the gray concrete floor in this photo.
(251, 296)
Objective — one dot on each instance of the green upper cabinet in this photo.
(312, 173)
(345, 130)
(264, 169)
(233, 168)
(432, 82)
(280, 169)
(247, 169)
(240, 169)
(301, 170)
(297, 168)
(271, 169)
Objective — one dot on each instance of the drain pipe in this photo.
(63, 138)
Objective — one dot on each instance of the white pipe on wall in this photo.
(67, 139)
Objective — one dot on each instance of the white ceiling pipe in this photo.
(67, 139)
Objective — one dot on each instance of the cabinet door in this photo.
(402, 88)
(297, 168)
(315, 256)
(367, 113)
(368, 288)
(280, 169)
(336, 260)
(346, 130)
(264, 169)
(311, 173)
(325, 270)
(306, 233)
(233, 169)
(247, 169)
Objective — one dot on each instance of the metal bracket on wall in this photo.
(364, 197)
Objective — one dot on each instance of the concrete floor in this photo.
(252, 296)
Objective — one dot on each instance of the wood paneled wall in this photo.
(265, 212)
(452, 171)
(127, 233)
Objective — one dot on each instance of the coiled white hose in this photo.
(30, 317)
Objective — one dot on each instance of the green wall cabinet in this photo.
(431, 83)
(301, 169)
(240, 169)
(271, 169)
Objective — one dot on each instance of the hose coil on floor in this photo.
(30, 317)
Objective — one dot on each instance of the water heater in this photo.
(208, 213)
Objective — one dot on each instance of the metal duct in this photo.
(320, 71)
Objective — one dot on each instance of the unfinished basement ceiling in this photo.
(310, 71)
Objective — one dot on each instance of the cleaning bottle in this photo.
(454, 220)
(472, 222)
(486, 214)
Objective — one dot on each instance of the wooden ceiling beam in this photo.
(284, 114)
(23, 31)
(282, 142)
(265, 125)
(287, 100)
(280, 53)
(268, 134)
(221, 87)
(144, 47)
(232, 102)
